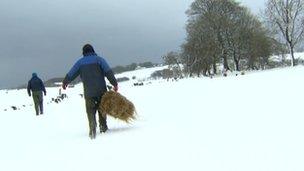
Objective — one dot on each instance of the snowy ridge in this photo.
(241, 123)
(298, 55)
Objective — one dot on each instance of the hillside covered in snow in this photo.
(237, 123)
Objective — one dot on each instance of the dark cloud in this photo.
(46, 36)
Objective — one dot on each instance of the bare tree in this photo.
(173, 60)
(209, 21)
(223, 32)
(287, 16)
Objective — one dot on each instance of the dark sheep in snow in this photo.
(138, 84)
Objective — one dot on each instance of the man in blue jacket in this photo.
(92, 70)
(36, 86)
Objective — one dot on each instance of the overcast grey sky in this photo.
(46, 36)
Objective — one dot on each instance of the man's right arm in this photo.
(71, 75)
(29, 88)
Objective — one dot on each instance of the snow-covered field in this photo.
(253, 122)
(297, 55)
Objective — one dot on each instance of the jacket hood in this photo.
(88, 50)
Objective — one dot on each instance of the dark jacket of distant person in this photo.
(92, 70)
(35, 84)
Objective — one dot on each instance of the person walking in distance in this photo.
(92, 70)
(35, 88)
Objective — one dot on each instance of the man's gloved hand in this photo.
(115, 88)
(30, 94)
(44, 93)
(64, 86)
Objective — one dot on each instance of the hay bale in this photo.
(117, 106)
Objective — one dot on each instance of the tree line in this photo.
(131, 67)
(223, 34)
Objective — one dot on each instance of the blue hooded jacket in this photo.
(92, 70)
(35, 84)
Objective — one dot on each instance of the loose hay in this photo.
(117, 106)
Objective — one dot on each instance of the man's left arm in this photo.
(110, 76)
(43, 88)
(109, 73)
